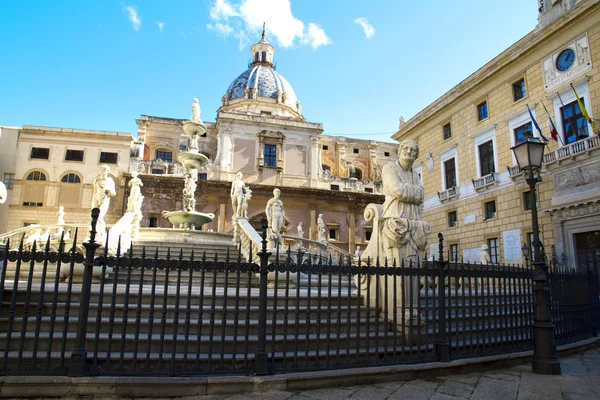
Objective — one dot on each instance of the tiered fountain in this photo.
(192, 160)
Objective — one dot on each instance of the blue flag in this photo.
(536, 125)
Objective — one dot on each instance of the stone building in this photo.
(475, 192)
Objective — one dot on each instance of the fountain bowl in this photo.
(192, 160)
(194, 128)
(189, 218)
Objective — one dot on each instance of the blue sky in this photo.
(101, 64)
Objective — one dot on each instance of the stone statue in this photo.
(357, 252)
(135, 193)
(237, 195)
(104, 188)
(3, 193)
(401, 122)
(300, 231)
(195, 111)
(137, 219)
(484, 256)
(351, 170)
(299, 107)
(60, 216)
(189, 190)
(321, 229)
(247, 197)
(429, 160)
(275, 218)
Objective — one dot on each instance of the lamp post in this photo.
(529, 153)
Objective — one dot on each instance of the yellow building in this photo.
(475, 193)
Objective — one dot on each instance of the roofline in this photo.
(498, 63)
(51, 129)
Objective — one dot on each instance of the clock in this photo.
(565, 60)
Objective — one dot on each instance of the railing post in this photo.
(593, 292)
(261, 362)
(78, 365)
(442, 347)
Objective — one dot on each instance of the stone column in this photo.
(221, 217)
(312, 222)
(351, 231)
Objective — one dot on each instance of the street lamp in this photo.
(529, 153)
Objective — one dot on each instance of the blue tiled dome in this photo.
(267, 82)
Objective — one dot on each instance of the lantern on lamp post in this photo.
(529, 153)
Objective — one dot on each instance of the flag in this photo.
(536, 125)
(583, 110)
(553, 131)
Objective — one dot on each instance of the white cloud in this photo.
(221, 29)
(316, 37)
(368, 28)
(161, 25)
(133, 17)
(248, 17)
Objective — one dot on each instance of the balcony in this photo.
(448, 194)
(484, 181)
(572, 150)
(155, 167)
(514, 172)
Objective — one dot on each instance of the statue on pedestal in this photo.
(321, 229)
(300, 231)
(195, 111)
(484, 256)
(275, 218)
(238, 188)
(135, 184)
(189, 190)
(103, 189)
(60, 216)
(245, 200)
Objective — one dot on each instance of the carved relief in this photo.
(577, 177)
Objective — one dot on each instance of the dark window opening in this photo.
(447, 131)
(157, 171)
(453, 253)
(482, 111)
(493, 249)
(74, 155)
(450, 173)
(575, 126)
(332, 234)
(369, 190)
(270, 155)
(358, 174)
(486, 158)
(164, 155)
(32, 204)
(368, 233)
(519, 90)
(452, 219)
(335, 187)
(523, 131)
(41, 153)
(36, 176)
(355, 151)
(325, 147)
(70, 178)
(264, 56)
(202, 176)
(490, 209)
(108, 158)
(152, 222)
(386, 153)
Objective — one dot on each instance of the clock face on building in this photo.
(565, 60)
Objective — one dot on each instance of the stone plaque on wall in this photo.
(244, 155)
(512, 246)
(471, 255)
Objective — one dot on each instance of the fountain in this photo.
(191, 160)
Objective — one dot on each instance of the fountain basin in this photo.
(187, 219)
(191, 160)
(194, 128)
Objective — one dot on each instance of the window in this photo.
(519, 89)
(256, 56)
(450, 173)
(452, 219)
(108, 158)
(447, 131)
(36, 176)
(70, 190)
(386, 153)
(183, 146)
(369, 190)
(482, 111)
(164, 155)
(493, 249)
(530, 244)
(527, 203)
(264, 56)
(453, 253)
(358, 174)
(325, 147)
(486, 158)
(202, 176)
(74, 155)
(271, 155)
(152, 222)
(326, 168)
(525, 130)
(574, 124)
(332, 234)
(335, 187)
(158, 171)
(490, 209)
(368, 232)
(9, 180)
(41, 153)
(355, 151)
(266, 113)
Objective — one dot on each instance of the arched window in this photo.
(34, 189)
(36, 176)
(70, 191)
(358, 174)
(256, 56)
(264, 56)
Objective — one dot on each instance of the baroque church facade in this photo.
(259, 130)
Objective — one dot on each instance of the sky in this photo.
(355, 65)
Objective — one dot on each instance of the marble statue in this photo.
(357, 252)
(103, 189)
(247, 197)
(484, 256)
(275, 218)
(135, 193)
(321, 229)
(429, 161)
(195, 111)
(300, 233)
(60, 216)
(299, 107)
(137, 218)
(3, 193)
(237, 195)
(401, 122)
(189, 190)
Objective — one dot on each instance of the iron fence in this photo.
(65, 310)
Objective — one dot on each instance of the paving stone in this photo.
(328, 394)
(454, 391)
(502, 375)
(471, 378)
(459, 385)
(391, 386)
(577, 396)
(371, 393)
(424, 384)
(533, 386)
(412, 392)
(295, 397)
(488, 388)
(443, 396)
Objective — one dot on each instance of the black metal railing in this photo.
(70, 311)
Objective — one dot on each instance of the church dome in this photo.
(260, 88)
